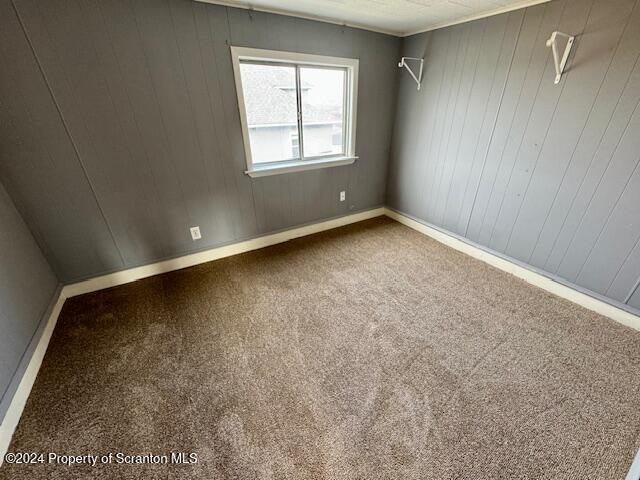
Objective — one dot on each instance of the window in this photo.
(295, 145)
(298, 111)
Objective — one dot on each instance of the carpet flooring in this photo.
(365, 352)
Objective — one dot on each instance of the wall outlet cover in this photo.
(195, 233)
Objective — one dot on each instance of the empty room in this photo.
(320, 239)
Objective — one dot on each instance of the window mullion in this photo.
(299, 113)
(346, 113)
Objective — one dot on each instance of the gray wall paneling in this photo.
(489, 117)
(27, 286)
(531, 129)
(39, 167)
(610, 114)
(512, 87)
(121, 130)
(130, 114)
(634, 301)
(519, 111)
(570, 114)
(546, 174)
(477, 99)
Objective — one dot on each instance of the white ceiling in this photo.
(397, 17)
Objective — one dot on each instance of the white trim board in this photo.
(21, 395)
(529, 276)
(133, 274)
(300, 166)
(19, 400)
(634, 471)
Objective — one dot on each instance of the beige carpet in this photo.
(367, 352)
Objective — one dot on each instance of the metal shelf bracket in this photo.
(560, 63)
(417, 78)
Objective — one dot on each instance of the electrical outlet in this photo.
(195, 233)
(343, 196)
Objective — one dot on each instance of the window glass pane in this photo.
(322, 110)
(271, 107)
(295, 144)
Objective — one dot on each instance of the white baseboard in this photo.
(16, 407)
(529, 276)
(634, 471)
(19, 400)
(133, 274)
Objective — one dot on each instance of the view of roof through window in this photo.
(272, 112)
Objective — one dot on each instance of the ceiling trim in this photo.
(478, 16)
(318, 18)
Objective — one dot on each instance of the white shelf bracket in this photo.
(560, 63)
(417, 78)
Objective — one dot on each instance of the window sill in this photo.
(298, 166)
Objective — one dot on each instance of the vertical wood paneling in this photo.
(455, 49)
(382, 76)
(586, 76)
(405, 128)
(431, 94)
(366, 123)
(627, 279)
(26, 280)
(39, 165)
(469, 72)
(547, 174)
(178, 109)
(144, 236)
(130, 116)
(597, 166)
(634, 301)
(610, 189)
(536, 129)
(27, 286)
(511, 94)
(100, 150)
(441, 51)
(222, 87)
(220, 201)
(612, 99)
(485, 69)
(616, 240)
(131, 77)
(492, 233)
(494, 103)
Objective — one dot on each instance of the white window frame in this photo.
(239, 54)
